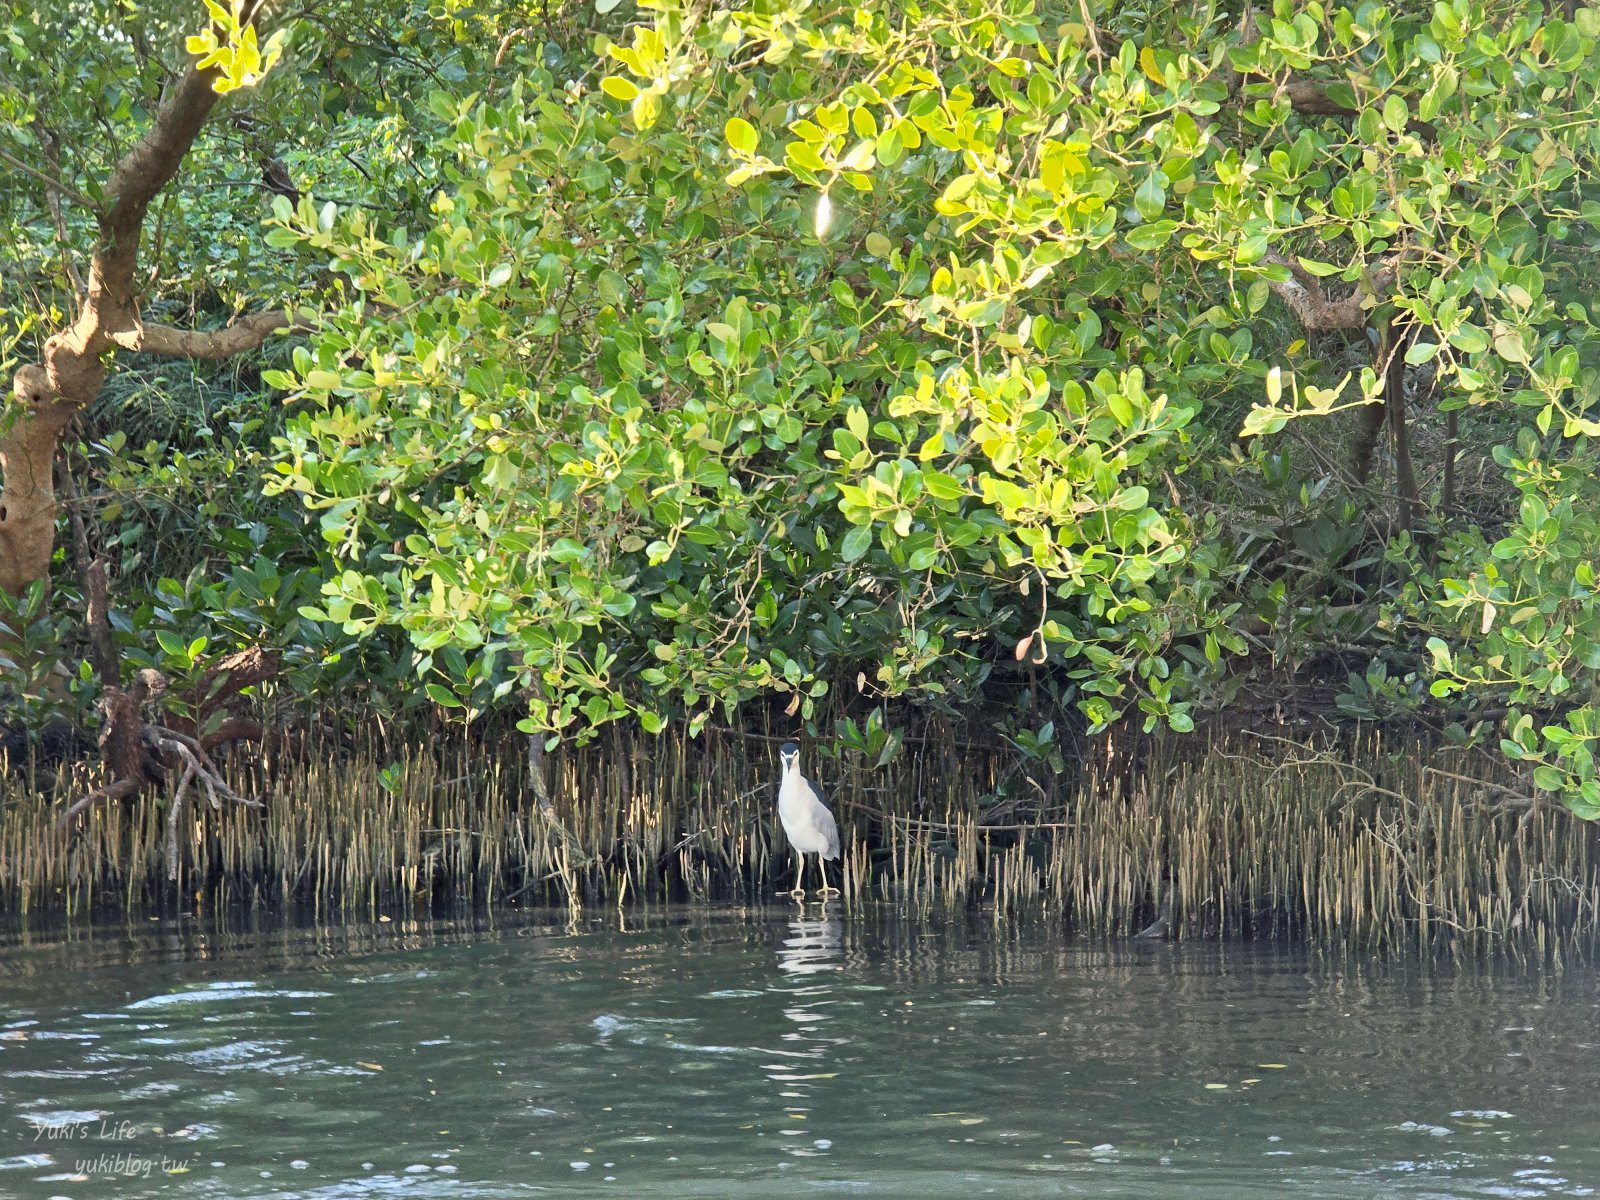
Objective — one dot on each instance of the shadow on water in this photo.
(739, 1052)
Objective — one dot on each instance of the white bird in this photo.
(806, 819)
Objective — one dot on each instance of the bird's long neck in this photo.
(792, 779)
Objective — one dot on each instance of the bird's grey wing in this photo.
(826, 825)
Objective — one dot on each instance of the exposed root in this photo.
(119, 790)
(139, 753)
(224, 679)
(196, 765)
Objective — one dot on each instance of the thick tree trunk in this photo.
(27, 460)
(49, 394)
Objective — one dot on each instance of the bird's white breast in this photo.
(797, 809)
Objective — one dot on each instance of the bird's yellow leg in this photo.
(822, 869)
(799, 892)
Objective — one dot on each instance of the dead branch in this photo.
(174, 814)
(138, 752)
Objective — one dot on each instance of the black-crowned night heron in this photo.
(806, 819)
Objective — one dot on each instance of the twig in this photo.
(72, 194)
(52, 197)
(952, 825)
(1509, 792)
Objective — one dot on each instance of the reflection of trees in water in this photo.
(1128, 1004)
(261, 940)
(809, 958)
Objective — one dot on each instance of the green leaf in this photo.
(855, 417)
(1151, 197)
(1441, 654)
(1509, 347)
(1320, 269)
(1152, 236)
(1395, 113)
(801, 154)
(1262, 420)
(855, 543)
(442, 695)
(566, 550)
(889, 147)
(741, 135)
(1548, 778)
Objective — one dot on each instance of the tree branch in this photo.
(1316, 311)
(112, 791)
(147, 168)
(54, 184)
(1310, 97)
(244, 334)
(140, 176)
(52, 197)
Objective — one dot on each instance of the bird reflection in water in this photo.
(809, 1056)
(813, 945)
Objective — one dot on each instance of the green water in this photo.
(754, 1053)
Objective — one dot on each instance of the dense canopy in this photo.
(1041, 365)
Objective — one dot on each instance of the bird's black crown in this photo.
(788, 748)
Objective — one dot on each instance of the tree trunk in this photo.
(1394, 343)
(48, 395)
(27, 460)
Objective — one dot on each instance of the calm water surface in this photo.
(754, 1053)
